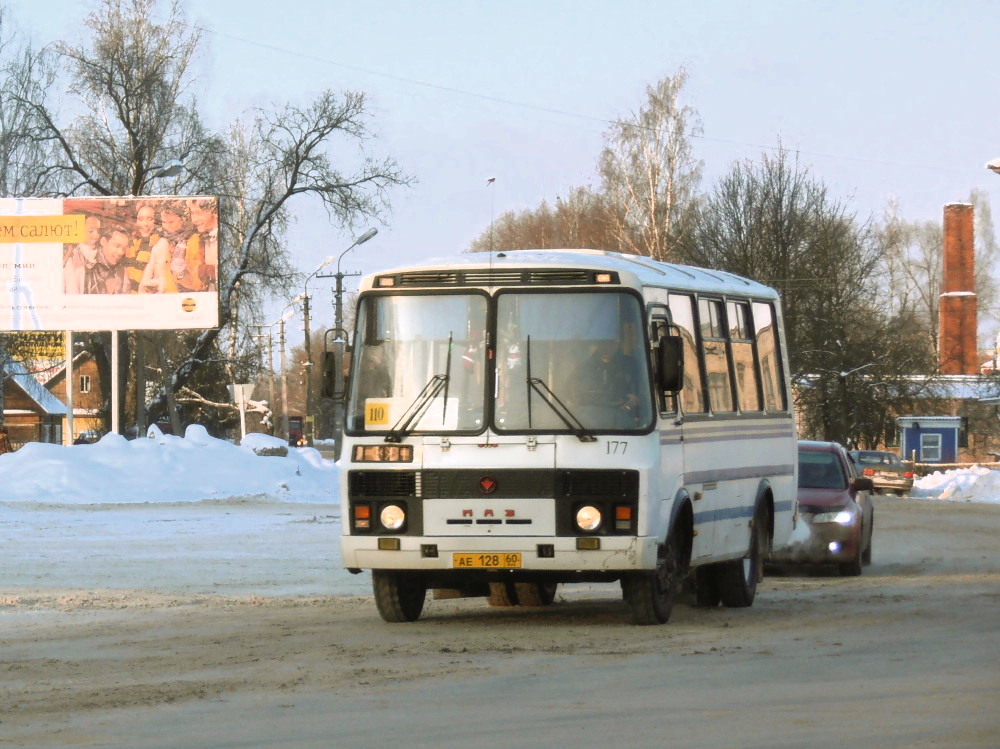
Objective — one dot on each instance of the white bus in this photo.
(521, 419)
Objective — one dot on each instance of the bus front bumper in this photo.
(528, 554)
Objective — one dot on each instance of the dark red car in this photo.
(836, 505)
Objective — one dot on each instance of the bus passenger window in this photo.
(692, 396)
(741, 345)
(720, 390)
(769, 357)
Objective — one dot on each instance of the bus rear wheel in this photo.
(502, 594)
(738, 579)
(535, 594)
(399, 596)
(649, 596)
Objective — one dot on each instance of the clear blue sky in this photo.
(882, 98)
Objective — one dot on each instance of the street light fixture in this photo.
(339, 333)
(994, 165)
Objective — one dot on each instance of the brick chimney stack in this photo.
(957, 351)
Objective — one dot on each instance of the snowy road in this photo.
(227, 547)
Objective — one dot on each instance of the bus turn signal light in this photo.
(363, 516)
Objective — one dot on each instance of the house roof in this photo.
(32, 388)
(965, 387)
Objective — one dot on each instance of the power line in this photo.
(561, 112)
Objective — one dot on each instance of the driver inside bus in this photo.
(608, 379)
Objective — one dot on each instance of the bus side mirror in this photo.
(670, 363)
(330, 364)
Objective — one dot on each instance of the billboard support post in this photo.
(68, 439)
(175, 419)
(115, 382)
(140, 386)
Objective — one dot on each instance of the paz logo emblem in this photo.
(487, 485)
(188, 304)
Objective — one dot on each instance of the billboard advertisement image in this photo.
(147, 263)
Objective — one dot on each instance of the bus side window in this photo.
(741, 346)
(660, 334)
(692, 395)
(714, 342)
(772, 379)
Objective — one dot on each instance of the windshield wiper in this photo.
(415, 411)
(559, 408)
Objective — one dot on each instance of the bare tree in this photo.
(276, 158)
(648, 171)
(130, 85)
(580, 220)
(912, 270)
(771, 221)
(24, 72)
(987, 252)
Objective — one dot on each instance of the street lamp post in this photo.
(340, 335)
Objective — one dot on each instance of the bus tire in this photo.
(649, 596)
(535, 594)
(399, 597)
(502, 594)
(738, 578)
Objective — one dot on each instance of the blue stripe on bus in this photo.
(689, 438)
(734, 513)
(734, 474)
(725, 513)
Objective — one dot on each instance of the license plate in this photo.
(487, 561)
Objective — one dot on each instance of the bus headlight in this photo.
(392, 517)
(588, 518)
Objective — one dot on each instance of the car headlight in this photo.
(588, 518)
(841, 517)
(392, 517)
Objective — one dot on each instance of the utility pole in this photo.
(270, 367)
(284, 379)
(284, 368)
(340, 337)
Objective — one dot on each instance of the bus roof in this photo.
(635, 270)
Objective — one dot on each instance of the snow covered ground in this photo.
(197, 515)
(192, 515)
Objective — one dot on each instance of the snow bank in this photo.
(165, 468)
(974, 484)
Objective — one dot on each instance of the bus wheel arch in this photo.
(738, 579)
(650, 595)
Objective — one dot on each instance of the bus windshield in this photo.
(419, 364)
(566, 359)
(564, 362)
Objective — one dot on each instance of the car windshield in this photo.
(877, 458)
(820, 470)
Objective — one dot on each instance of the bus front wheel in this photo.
(649, 596)
(399, 596)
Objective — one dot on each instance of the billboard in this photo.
(147, 263)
